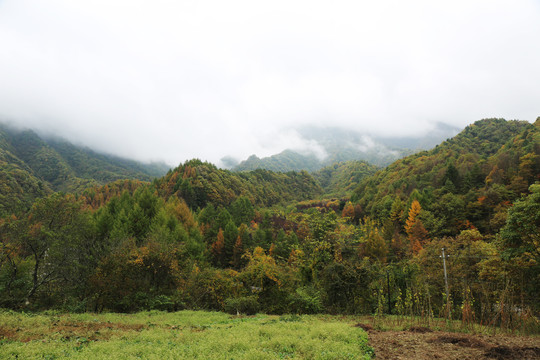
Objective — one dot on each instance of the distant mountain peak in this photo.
(340, 144)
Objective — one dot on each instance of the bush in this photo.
(161, 302)
(248, 305)
(73, 305)
(305, 300)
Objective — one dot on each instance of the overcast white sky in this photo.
(177, 79)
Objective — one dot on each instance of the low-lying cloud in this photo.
(176, 80)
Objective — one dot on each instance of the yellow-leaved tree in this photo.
(417, 233)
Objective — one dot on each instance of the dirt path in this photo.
(422, 343)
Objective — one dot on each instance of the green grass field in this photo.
(180, 335)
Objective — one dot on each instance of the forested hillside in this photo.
(287, 160)
(19, 188)
(199, 183)
(341, 178)
(205, 238)
(32, 167)
(469, 180)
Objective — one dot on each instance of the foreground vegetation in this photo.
(215, 335)
(180, 335)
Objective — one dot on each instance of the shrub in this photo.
(248, 305)
(305, 300)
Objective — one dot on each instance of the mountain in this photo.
(19, 187)
(341, 178)
(287, 160)
(200, 183)
(468, 180)
(32, 167)
(341, 145)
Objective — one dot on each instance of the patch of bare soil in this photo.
(420, 329)
(365, 327)
(92, 330)
(423, 345)
(14, 335)
(6, 333)
(68, 330)
(96, 326)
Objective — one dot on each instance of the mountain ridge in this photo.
(341, 145)
(476, 173)
(32, 166)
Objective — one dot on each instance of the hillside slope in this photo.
(19, 187)
(32, 167)
(287, 160)
(342, 178)
(469, 180)
(199, 183)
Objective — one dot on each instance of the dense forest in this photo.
(347, 239)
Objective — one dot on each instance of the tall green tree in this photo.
(58, 240)
(520, 242)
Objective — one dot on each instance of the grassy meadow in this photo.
(180, 335)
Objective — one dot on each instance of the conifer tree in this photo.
(416, 232)
(218, 248)
(348, 211)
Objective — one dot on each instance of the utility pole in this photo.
(446, 283)
(388, 287)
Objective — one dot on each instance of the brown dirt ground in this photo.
(422, 344)
(68, 330)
